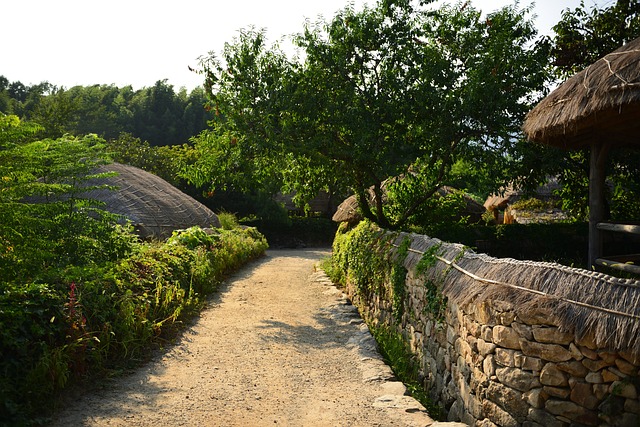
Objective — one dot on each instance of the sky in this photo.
(138, 42)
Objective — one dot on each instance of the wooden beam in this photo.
(629, 268)
(620, 228)
(597, 202)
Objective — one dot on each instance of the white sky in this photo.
(137, 42)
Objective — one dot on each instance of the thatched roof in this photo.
(154, 206)
(510, 194)
(599, 104)
(348, 210)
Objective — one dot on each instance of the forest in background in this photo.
(157, 114)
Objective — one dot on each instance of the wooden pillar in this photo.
(597, 202)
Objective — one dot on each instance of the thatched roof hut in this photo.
(602, 102)
(154, 207)
(598, 108)
(348, 210)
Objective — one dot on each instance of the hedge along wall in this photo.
(499, 341)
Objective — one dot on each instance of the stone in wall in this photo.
(506, 397)
(498, 415)
(489, 366)
(525, 331)
(544, 418)
(505, 357)
(485, 348)
(551, 375)
(549, 352)
(573, 368)
(536, 316)
(582, 394)
(504, 336)
(557, 392)
(517, 378)
(528, 363)
(535, 397)
(596, 365)
(551, 335)
(572, 411)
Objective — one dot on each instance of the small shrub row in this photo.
(104, 318)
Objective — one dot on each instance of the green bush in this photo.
(228, 221)
(98, 318)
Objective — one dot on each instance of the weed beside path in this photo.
(278, 345)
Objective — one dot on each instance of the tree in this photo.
(391, 91)
(583, 36)
(46, 220)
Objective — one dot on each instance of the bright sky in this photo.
(137, 42)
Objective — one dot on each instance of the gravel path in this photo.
(278, 345)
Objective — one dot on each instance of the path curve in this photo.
(278, 345)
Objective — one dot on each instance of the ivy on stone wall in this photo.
(399, 279)
(358, 256)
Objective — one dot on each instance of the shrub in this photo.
(103, 317)
(228, 221)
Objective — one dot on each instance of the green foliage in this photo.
(405, 365)
(27, 329)
(47, 222)
(583, 36)
(442, 209)
(192, 238)
(157, 114)
(14, 131)
(382, 92)
(357, 255)
(398, 278)
(228, 221)
(97, 319)
(436, 302)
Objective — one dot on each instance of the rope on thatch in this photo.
(604, 95)
(522, 288)
(584, 303)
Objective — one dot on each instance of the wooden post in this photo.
(597, 202)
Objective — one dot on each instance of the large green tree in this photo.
(583, 35)
(393, 90)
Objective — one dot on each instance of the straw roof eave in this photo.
(599, 104)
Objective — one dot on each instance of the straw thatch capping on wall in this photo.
(155, 207)
(587, 304)
(600, 102)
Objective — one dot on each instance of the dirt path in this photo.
(279, 345)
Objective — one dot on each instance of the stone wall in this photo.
(490, 362)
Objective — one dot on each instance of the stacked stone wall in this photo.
(490, 364)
